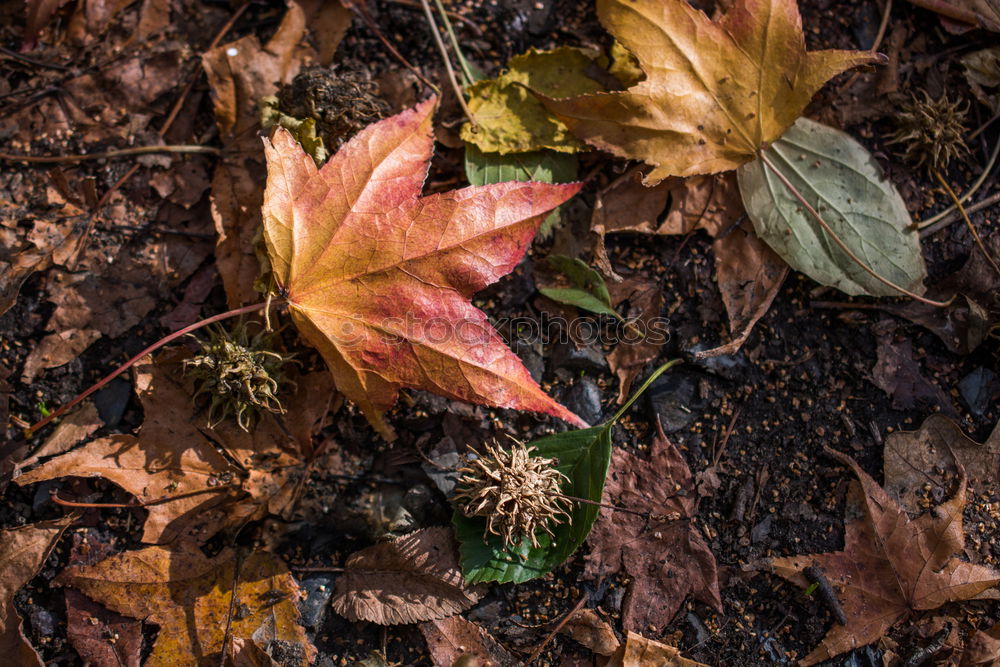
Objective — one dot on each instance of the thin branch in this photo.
(54, 496)
(14, 55)
(131, 362)
(924, 224)
(362, 11)
(968, 222)
(447, 62)
(840, 243)
(886, 11)
(121, 152)
(237, 564)
(559, 626)
(462, 61)
(978, 206)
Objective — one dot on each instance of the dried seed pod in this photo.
(931, 131)
(514, 491)
(240, 374)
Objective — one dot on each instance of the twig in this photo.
(232, 606)
(455, 15)
(840, 243)
(586, 501)
(447, 62)
(951, 11)
(923, 224)
(128, 364)
(318, 569)
(362, 11)
(462, 61)
(944, 222)
(54, 496)
(965, 216)
(122, 152)
(979, 130)
(826, 593)
(559, 626)
(14, 55)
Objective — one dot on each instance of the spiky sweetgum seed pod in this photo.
(932, 132)
(239, 374)
(514, 491)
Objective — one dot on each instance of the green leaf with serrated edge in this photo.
(841, 180)
(583, 456)
(540, 166)
(589, 290)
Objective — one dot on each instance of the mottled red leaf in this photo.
(380, 279)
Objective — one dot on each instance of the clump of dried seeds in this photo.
(517, 493)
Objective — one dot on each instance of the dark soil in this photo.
(802, 382)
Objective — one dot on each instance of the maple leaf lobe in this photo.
(715, 91)
(379, 278)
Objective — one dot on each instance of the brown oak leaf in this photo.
(659, 548)
(413, 578)
(891, 565)
(379, 279)
(715, 92)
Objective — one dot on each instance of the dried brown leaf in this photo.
(632, 354)
(410, 579)
(664, 553)
(449, 639)
(176, 462)
(982, 649)
(71, 431)
(637, 651)
(588, 628)
(914, 458)
(22, 552)
(891, 566)
(188, 596)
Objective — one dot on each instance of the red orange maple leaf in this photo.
(379, 279)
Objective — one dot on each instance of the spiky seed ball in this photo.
(514, 491)
(932, 131)
(240, 374)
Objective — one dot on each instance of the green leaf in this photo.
(842, 181)
(583, 456)
(510, 119)
(589, 290)
(540, 166)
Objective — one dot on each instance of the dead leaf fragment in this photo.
(899, 375)
(22, 552)
(410, 579)
(379, 279)
(449, 639)
(913, 458)
(71, 431)
(188, 596)
(982, 649)
(586, 627)
(665, 554)
(637, 651)
(715, 92)
(630, 356)
(891, 565)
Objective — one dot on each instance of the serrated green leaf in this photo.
(842, 181)
(540, 166)
(589, 290)
(583, 457)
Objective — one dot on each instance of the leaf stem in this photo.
(840, 243)
(645, 385)
(462, 62)
(123, 152)
(965, 216)
(31, 430)
(447, 62)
